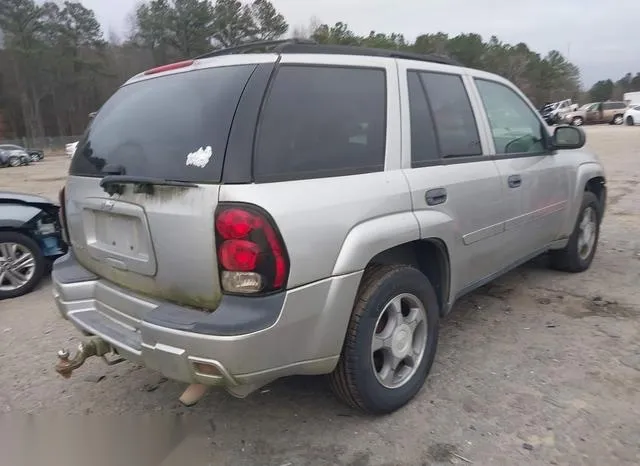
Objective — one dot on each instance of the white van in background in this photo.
(631, 98)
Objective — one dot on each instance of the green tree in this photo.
(385, 41)
(602, 90)
(468, 49)
(152, 29)
(432, 44)
(20, 21)
(74, 62)
(232, 23)
(339, 34)
(191, 26)
(268, 24)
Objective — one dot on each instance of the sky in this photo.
(601, 37)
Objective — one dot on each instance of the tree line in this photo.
(610, 90)
(57, 65)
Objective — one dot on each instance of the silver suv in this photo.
(292, 208)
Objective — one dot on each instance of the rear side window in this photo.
(613, 105)
(321, 121)
(172, 127)
(424, 145)
(454, 118)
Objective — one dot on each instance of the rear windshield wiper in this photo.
(113, 184)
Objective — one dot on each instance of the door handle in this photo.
(436, 196)
(514, 181)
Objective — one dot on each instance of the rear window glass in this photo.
(321, 121)
(173, 127)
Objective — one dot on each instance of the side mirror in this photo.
(568, 137)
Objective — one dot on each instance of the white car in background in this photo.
(632, 115)
(70, 149)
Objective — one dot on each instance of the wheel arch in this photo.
(430, 256)
(590, 177)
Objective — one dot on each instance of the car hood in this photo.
(8, 197)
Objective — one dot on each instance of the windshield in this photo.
(170, 127)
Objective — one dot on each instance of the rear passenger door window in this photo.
(321, 121)
(453, 115)
(515, 127)
(424, 143)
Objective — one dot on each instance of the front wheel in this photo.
(15, 161)
(618, 120)
(391, 340)
(21, 264)
(577, 121)
(630, 120)
(578, 254)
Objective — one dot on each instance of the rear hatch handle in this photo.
(113, 184)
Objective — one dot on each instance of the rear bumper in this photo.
(250, 341)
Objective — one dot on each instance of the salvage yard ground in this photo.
(537, 368)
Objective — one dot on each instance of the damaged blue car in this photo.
(30, 240)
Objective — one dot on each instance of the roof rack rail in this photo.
(310, 46)
(264, 46)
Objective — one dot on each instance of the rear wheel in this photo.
(14, 161)
(21, 264)
(577, 121)
(578, 254)
(391, 340)
(630, 120)
(618, 120)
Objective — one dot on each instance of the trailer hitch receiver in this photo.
(94, 346)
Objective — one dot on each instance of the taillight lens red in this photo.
(251, 254)
(239, 255)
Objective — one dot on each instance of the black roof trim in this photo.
(309, 46)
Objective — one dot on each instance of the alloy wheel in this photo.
(587, 232)
(399, 340)
(17, 266)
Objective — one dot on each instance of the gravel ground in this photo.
(539, 367)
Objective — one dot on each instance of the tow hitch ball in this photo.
(92, 347)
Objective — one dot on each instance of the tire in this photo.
(630, 121)
(357, 379)
(14, 161)
(617, 120)
(577, 121)
(570, 258)
(26, 244)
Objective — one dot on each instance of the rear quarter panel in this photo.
(333, 226)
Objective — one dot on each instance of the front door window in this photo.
(514, 125)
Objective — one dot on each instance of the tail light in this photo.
(62, 214)
(252, 257)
